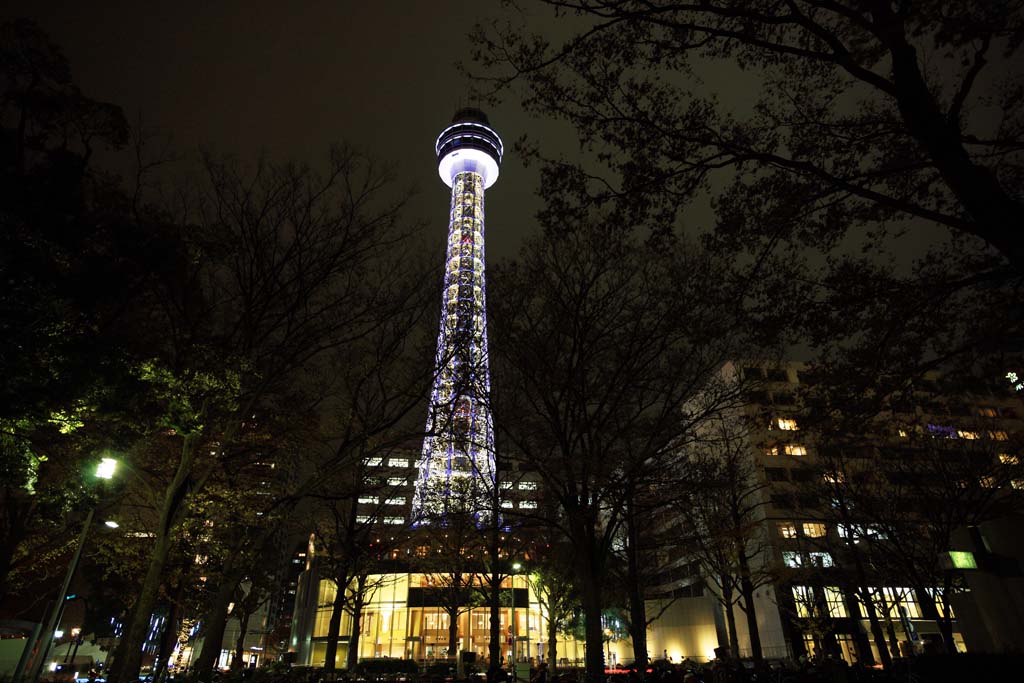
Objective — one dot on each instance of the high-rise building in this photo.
(846, 525)
(457, 462)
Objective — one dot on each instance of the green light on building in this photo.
(962, 559)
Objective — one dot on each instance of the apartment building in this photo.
(854, 516)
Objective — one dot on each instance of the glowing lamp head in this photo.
(469, 144)
(106, 468)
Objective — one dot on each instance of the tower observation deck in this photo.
(456, 467)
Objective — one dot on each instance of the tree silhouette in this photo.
(863, 159)
(606, 351)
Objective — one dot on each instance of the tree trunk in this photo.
(128, 655)
(638, 631)
(334, 627)
(860, 636)
(894, 644)
(216, 620)
(357, 617)
(637, 608)
(243, 627)
(453, 632)
(552, 654)
(494, 610)
(869, 604)
(494, 597)
(747, 590)
(168, 640)
(594, 635)
(930, 611)
(730, 616)
(877, 634)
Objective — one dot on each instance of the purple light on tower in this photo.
(457, 461)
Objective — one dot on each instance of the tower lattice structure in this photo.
(456, 467)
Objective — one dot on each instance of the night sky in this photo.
(290, 78)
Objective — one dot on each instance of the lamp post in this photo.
(104, 470)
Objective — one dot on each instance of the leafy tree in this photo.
(74, 261)
(291, 269)
(242, 527)
(552, 582)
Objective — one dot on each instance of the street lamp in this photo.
(104, 470)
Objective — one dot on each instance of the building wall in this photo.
(784, 455)
(686, 630)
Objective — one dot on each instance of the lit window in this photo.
(369, 500)
(396, 500)
(998, 436)
(803, 596)
(771, 452)
(833, 477)
(396, 481)
(835, 602)
(821, 559)
(902, 597)
(985, 411)
(814, 529)
(527, 486)
(394, 520)
(787, 529)
(1009, 459)
(398, 462)
(795, 449)
(507, 504)
(970, 436)
(786, 424)
(363, 519)
(1017, 484)
(527, 504)
(506, 486)
(936, 595)
(902, 433)
(988, 482)
(875, 532)
(374, 462)
(792, 559)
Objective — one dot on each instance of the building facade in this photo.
(844, 513)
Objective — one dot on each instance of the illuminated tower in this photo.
(457, 463)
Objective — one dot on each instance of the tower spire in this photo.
(457, 463)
